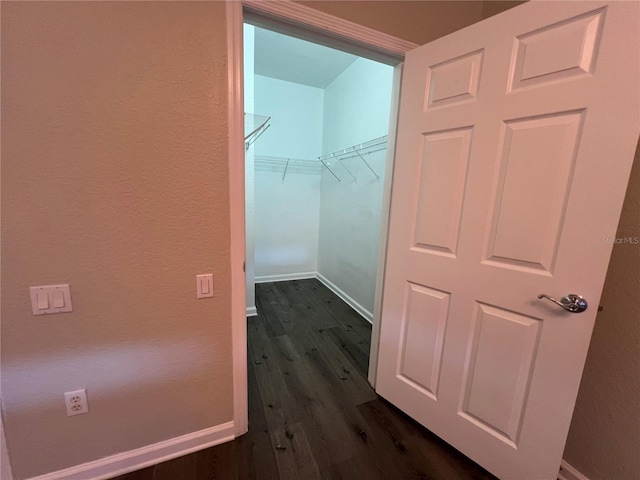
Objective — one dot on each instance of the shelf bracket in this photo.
(255, 136)
(284, 174)
(366, 163)
(348, 171)
(330, 171)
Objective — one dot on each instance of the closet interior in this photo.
(316, 127)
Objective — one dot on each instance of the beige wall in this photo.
(416, 21)
(493, 7)
(114, 180)
(604, 439)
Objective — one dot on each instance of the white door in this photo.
(515, 142)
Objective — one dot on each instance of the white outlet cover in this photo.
(76, 402)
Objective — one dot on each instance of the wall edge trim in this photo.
(235, 85)
(252, 311)
(569, 472)
(363, 312)
(324, 22)
(138, 458)
(285, 277)
(376, 322)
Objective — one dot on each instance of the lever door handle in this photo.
(572, 303)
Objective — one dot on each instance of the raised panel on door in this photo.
(509, 170)
(559, 51)
(501, 353)
(453, 81)
(423, 327)
(443, 173)
(537, 157)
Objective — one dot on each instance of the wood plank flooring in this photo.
(312, 413)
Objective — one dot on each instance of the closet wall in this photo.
(356, 110)
(306, 222)
(287, 204)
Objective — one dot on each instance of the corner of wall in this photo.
(5, 464)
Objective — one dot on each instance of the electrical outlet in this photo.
(76, 402)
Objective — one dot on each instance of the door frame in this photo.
(323, 28)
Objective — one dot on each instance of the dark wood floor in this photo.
(312, 413)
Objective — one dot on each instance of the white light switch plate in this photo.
(204, 285)
(49, 299)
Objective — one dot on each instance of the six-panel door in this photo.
(515, 142)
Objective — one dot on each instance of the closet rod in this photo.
(355, 155)
(358, 151)
(274, 159)
(362, 148)
(286, 161)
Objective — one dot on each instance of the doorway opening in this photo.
(317, 174)
(317, 167)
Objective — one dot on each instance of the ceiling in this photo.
(294, 60)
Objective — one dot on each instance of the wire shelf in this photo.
(356, 151)
(287, 163)
(359, 150)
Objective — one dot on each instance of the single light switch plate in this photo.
(204, 285)
(49, 299)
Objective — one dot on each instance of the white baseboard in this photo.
(252, 311)
(568, 472)
(284, 277)
(368, 316)
(132, 460)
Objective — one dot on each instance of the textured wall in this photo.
(493, 7)
(115, 180)
(416, 21)
(604, 439)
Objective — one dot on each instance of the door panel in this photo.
(498, 370)
(560, 51)
(515, 142)
(536, 155)
(422, 338)
(445, 160)
(453, 81)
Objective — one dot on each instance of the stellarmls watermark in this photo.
(622, 240)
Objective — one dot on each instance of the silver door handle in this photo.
(572, 303)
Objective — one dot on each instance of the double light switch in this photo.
(51, 299)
